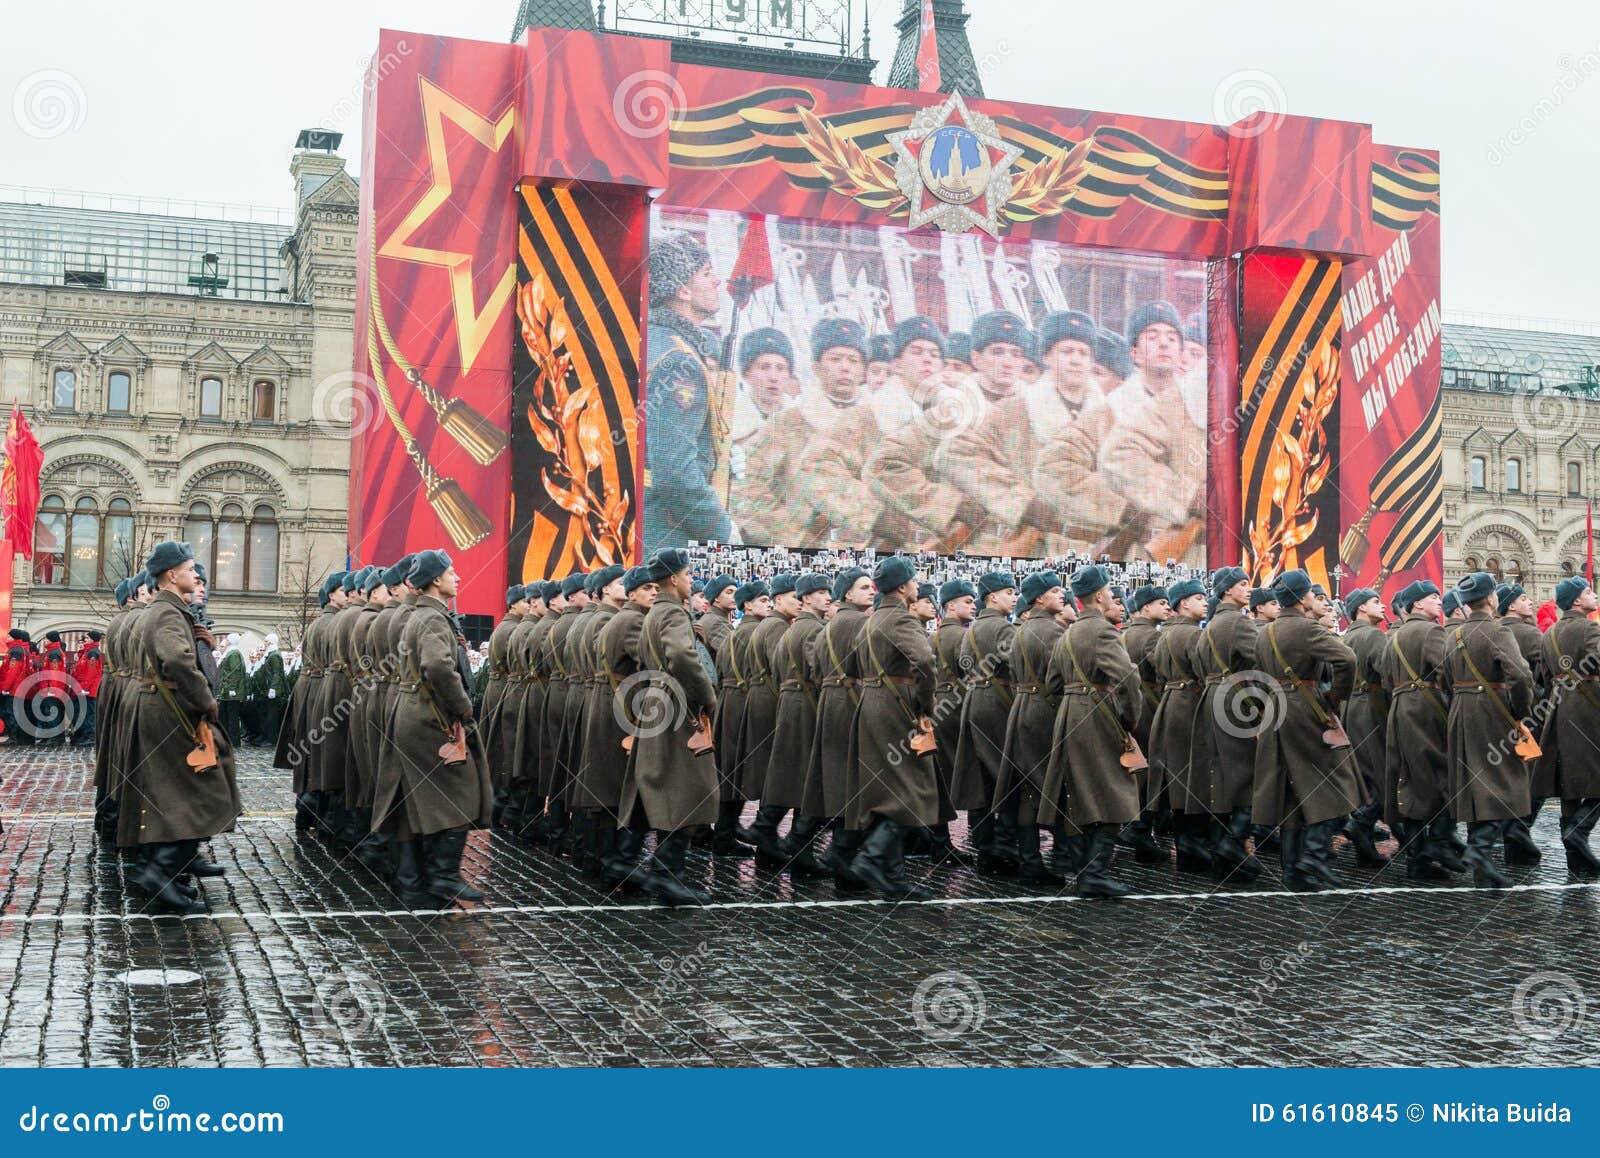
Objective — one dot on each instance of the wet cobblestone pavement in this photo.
(300, 961)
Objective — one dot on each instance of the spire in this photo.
(553, 14)
(957, 68)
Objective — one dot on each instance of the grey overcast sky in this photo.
(201, 99)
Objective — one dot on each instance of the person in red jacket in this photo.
(86, 672)
(15, 668)
(53, 699)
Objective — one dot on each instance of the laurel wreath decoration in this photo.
(850, 169)
(1297, 466)
(1045, 188)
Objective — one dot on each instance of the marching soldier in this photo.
(1087, 784)
(1307, 783)
(1264, 606)
(593, 807)
(759, 663)
(1025, 751)
(344, 779)
(1366, 720)
(116, 696)
(368, 728)
(1491, 691)
(985, 663)
(1517, 614)
(495, 748)
(716, 624)
(1450, 606)
(554, 666)
(524, 715)
(793, 667)
(1568, 767)
(734, 670)
(1416, 765)
(668, 787)
(825, 790)
(1151, 608)
(958, 602)
(1231, 714)
(169, 803)
(301, 735)
(890, 780)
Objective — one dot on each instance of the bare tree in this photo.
(299, 582)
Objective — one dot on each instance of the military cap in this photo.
(927, 591)
(846, 579)
(1473, 587)
(717, 584)
(332, 583)
(428, 566)
(912, 328)
(1067, 325)
(1506, 594)
(52, 636)
(698, 587)
(958, 346)
(123, 591)
(351, 578)
(573, 584)
(1225, 578)
(992, 581)
(17, 634)
(1071, 599)
(674, 259)
(880, 349)
(750, 592)
(396, 575)
(167, 555)
(591, 586)
(514, 593)
(1146, 595)
(200, 572)
(955, 589)
(782, 583)
(1292, 587)
(97, 636)
(1194, 330)
(765, 340)
(142, 579)
(1152, 314)
(1037, 583)
(552, 590)
(1423, 589)
(1184, 588)
(1319, 589)
(1260, 595)
(894, 572)
(1119, 593)
(1088, 579)
(637, 577)
(1357, 599)
(674, 559)
(1568, 590)
(998, 326)
(809, 582)
(1111, 351)
(1451, 601)
(608, 575)
(830, 333)
(372, 578)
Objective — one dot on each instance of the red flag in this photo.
(19, 483)
(753, 267)
(928, 79)
(1588, 540)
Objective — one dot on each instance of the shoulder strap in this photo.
(1412, 674)
(1092, 692)
(1293, 677)
(884, 676)
(798, 663)
(1212, 643)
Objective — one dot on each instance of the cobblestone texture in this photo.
(301, 962)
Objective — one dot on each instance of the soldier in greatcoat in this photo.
(1570, 765)
(1491, 693)
(1366, 720)
(958, 605)
(370, 848)
(1517, 614)
(1234, 707)
(759, 662)
(301, 736)
(524, 716)
(985, 664)
(715, 624)
(825, 788)
(734, 671)
(605, 597)
(553, 771)
(1025, 750)
(117, 691)
(792, 663)
(1150, 608)
(494, 695)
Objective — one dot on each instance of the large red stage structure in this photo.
(512, 195)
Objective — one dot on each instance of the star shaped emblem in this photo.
(954, 167)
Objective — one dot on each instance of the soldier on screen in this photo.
(766, 363)
(683, 441)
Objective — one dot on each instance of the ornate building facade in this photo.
(187, 378)
(1521, 419)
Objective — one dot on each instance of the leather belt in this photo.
(880, 681)
(1477, 687)
(838, 682)
(993, 681)
(1031, 689)
(1082, 689)
(1414, 686)
(1179, 685)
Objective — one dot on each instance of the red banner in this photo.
(19, 485)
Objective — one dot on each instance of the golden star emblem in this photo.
(472, 324)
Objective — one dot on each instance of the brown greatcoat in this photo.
(949, 696)
(779, 500)
(363, 683)
(527, 730)
(113, 717)
(1225, 649)
(671, 786)
(1570, 765)
(794, 667)
(985, 660)
(825, 793)
(568, 723)
(1068, 464)
(919, 504)
(1487, 779)
(581, 794)
(418, 793)
(497, 738)
(383, 640)
(165, 800)
(557, 684)
(331, 754)
(1366, 716)
(760, 705)
(1155, 459)
(1139, 636)
(1025, 751)
(713, 628)
(893, 660)
(1085, 782)
(608, 719)
(1180, 746)
(733, 678)
(299, 733)
(1416, 766)
(1299, 778)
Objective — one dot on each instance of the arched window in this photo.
(1574, 478)
(211, 398)
(1470, 563)
(1477, 472)
(263, 569)
(198, 532)
(83, 549)
(228, 574)
(119, 392)
(117, 553)
(50, 542)
(65, 394)
(1514, 571)
(1492, 565)
(1514, 475)
(264, 402)
(1566, 566)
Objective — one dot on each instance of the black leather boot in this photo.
(1316, 856)
(602, 838)
(799, 848)
(997, 852)
(201, 867)
(1413, 840)
(727, 837)
(305, 816)
(1069, 853)
(1521, 848)
(1142, 839)
(665, 882)
(1481, 837)
(1094, 879)
(373, 851)
(1267, 839)
(442, 852)
(765, 830)
(1232, 859)
(840, 857)
(909, 890)
(943, 851)
(1441, 843)
(875, 862)
(1034, 867)
(159, 876)
(1194, 855)
(1291, 854)
(918, 842)
(1577, 822)
(1359, 828)
(410, 881)
(625, 868)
